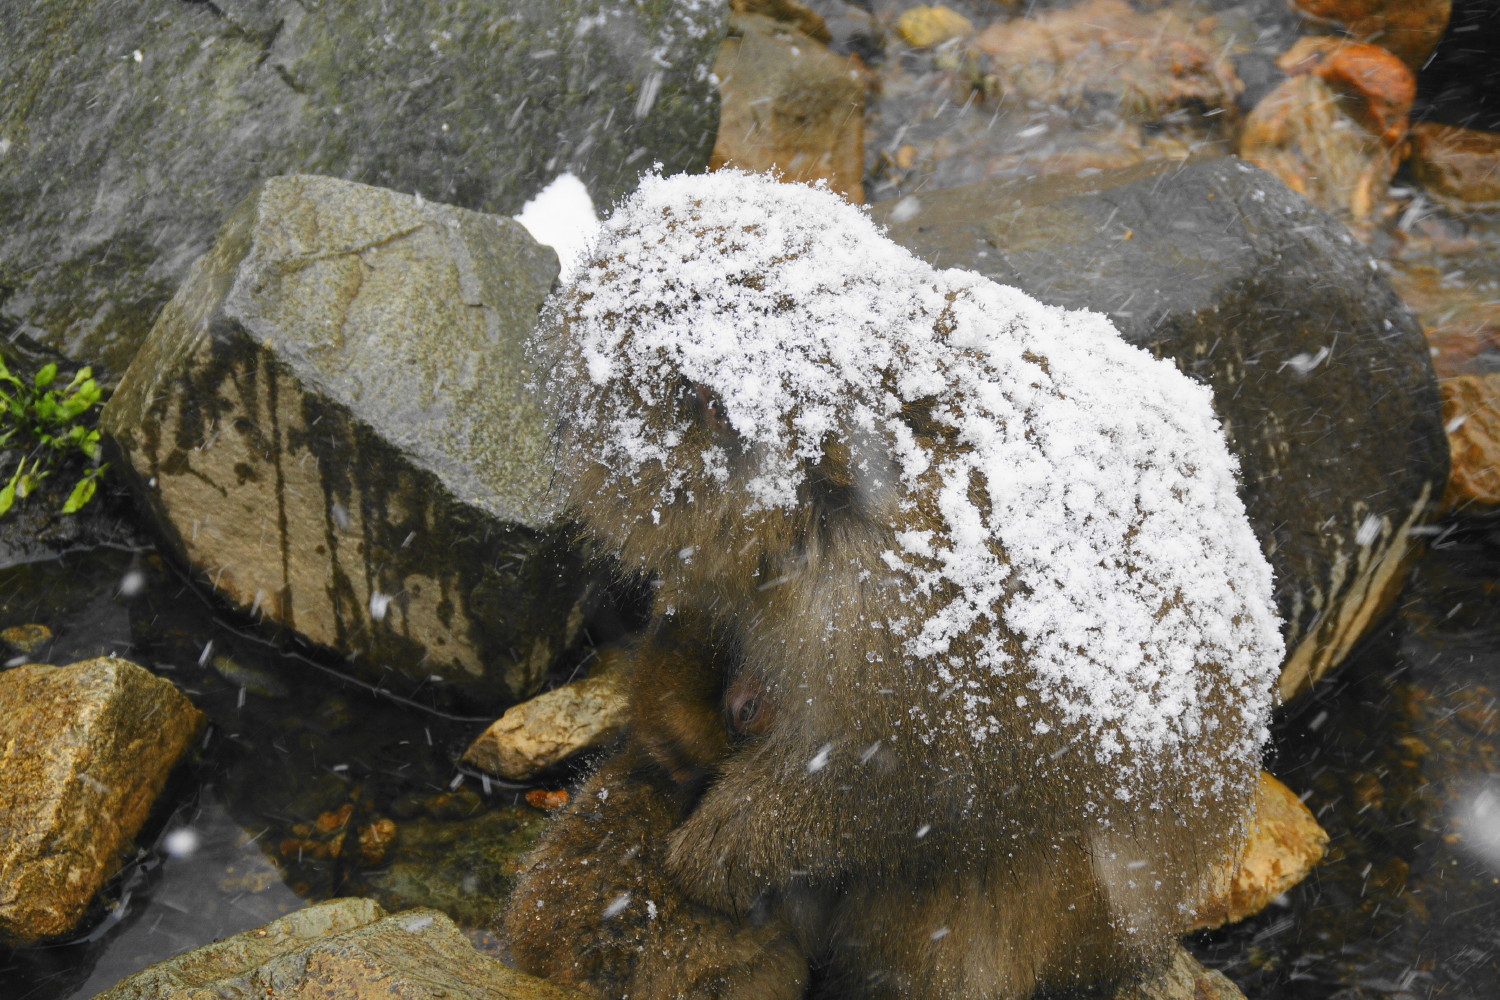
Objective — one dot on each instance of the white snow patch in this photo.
(562, 217)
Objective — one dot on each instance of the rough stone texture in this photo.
(1320, 375)
(1184, 978)
(1460, 319)
(791, 105)
(84, 751)
(1460, 167)
(166, 114)
(345, 948)
(1471, 416)
(1409, 28)
(1105, 54)
(329, 423)
(1285, 843)
(553, 726)
(925, 26)
(1334, 131)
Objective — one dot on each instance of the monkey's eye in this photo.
(744, 710)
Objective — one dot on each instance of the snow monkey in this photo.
(985, 558)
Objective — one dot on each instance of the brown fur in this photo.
(907, 859)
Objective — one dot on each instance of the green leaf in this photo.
(44, 378)
(83, 492)
(7, 496)
(79, 377)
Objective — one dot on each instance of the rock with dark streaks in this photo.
(330, 426)
(165, 114)
(1321, 377)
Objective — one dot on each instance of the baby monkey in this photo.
(594, 907)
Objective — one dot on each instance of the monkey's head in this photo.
(717, 374)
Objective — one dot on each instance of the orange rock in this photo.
(375, 842)
(1381, 85)
(1409, 28)
(1471, 415)
(1460, 167)
(540, 798)
(1306, 134)
(789, 104)
(1285, 843)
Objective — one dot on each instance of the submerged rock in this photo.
(329, 424)
(348, 948)
(1409, 28)
(168, 113)
(1460, 167)
(1320, 376)
(84, 751)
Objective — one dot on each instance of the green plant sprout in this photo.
(44, 424)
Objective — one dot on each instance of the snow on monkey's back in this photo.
(1111, 540)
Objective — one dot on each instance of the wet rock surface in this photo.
(349, 948)
(84, 751)
(1471, 416)
(1328, 399)
(790, 104)
(329, 424)
(1458, 166)
(167, 113)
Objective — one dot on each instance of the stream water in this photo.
(1396, 753)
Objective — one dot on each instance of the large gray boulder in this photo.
(345, 948)
(329, 424)
(128, 131)
(1321, 377)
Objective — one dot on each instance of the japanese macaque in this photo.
(594, 907)
(986, 560)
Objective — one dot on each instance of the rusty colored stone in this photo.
(1408, 28)
(800, 16)
(1285, 843)
(788, 104)
(84, 751)
(1459, 167)
(1471, 415)
(1306, 134)
(1380, 85)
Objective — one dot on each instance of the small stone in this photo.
(1471, 416)
(800, 16)
(1408, 28)
(790, 105)
(1459, 167)
(84, 751)
(375, 842)
(26, 638)
(536, 734)
(923, 27)
(550, 801)
(1285, 843)
(1381, 85)
(1184, 978)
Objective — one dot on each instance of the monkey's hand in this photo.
(760, 828)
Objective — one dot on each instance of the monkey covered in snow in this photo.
(986, 560)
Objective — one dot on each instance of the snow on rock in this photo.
(562, 217)
(1083, 495)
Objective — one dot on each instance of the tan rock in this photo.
(1460, 321)
(923, 27)
(1380, 87)
(553, 726)
(1459, 167)
(1471, 415)
(1409, 28)
(345, 948)
(1151, 63)
(1285, 843)
(1184, 978)
(789, 104)
(84, 751)
(26, 638)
